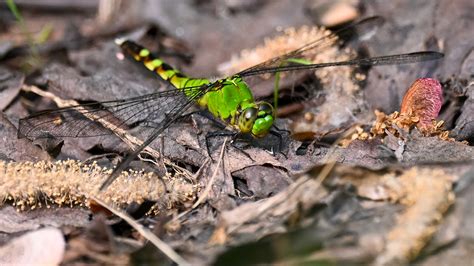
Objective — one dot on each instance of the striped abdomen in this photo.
(162, 69)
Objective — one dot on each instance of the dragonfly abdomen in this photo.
(158, 66)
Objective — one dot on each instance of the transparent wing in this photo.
(370, 61)
(87, 120)
(173, 113)
(361, 29)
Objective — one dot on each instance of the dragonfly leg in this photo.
(225, 133)
(234, 138)
(220, 133)
(206, 114)
(280, 141)
(276, 132)
(281, 130)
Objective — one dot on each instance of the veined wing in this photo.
(87, 120)
(361, 29)
(166, 121)
(370, 61)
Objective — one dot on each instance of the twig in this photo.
(329, 164)
(158, 243)
(94, 157)
(213, 177)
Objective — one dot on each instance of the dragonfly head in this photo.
(257, 119)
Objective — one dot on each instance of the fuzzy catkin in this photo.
(29, 185)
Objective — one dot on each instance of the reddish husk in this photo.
(423, 100)
(420, 107)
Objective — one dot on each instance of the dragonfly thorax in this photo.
(256, 120)
(232, 101)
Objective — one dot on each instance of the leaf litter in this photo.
(381, 205)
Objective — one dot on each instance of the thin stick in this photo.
(213, 177)
(158, 243)
(329, 164)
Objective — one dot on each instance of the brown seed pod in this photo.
(423, 100)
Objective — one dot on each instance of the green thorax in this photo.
(230, 97)
(232, 101)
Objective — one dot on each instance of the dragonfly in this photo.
(229, 99)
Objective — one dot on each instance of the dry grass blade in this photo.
(158, 243)
(329, 164)
(213, 177)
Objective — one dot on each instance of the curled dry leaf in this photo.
(13, 222)
(261, 217)
(10, 84)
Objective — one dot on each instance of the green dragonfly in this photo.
(229, 99)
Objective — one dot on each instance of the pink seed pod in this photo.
(423, 100)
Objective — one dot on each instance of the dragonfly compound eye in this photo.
(247, 119)
(264, 109)
(264, 121)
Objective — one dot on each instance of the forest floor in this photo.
(350, 177)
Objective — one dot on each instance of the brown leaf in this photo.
(10, 84)
(17, 149)
(12, 221)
